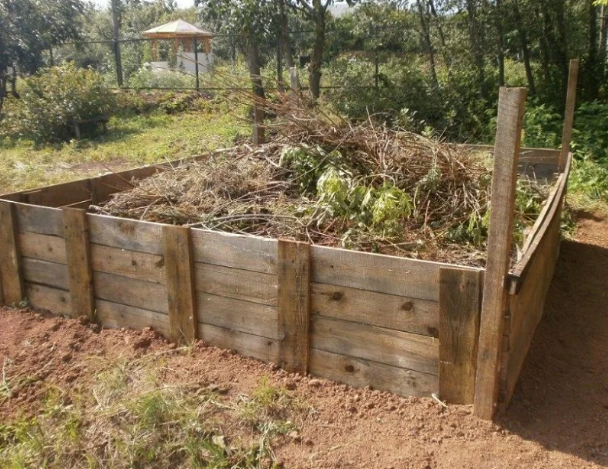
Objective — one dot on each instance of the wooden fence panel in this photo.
(45, 273)
(130, 292)
(40, 220)
(131, 235)
(43, 247)
(131, 264)
(52, 299)
(116, 315)
(249, 345)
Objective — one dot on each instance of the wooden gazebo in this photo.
(182, 33)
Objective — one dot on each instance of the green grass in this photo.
(130, 142)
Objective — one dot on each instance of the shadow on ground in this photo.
(562, 397)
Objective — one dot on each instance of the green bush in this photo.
(52, 100)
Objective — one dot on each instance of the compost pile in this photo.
(330, 182)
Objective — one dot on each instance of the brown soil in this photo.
(558, 418)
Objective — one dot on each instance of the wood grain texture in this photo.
(132, 235)
(131, 264)
(262, 348)
(59, 195)
(51, 299)
(294, 305)
(400, 349)
(130, 292)
(359, 373)
(11, 275)
(495, 290)
(459, 310)
(45, 273)
(179, 269)
(376, 309)
(43, 247)
(41, 220)
(569, 113)
(78, 255)
(114, 315)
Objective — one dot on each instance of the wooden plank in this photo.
(78, 254)
(359, 373)
(293, 305)
(103, 187)
(236, 251)
(83, 204)
(236, 283)
(179, 269)
(569, 114)
(130, 292)
(51, 299)
(131, 235)
(495, 290)
(45, 273)
(11, 277)
(131, 264)
(401, 349)
(43, 247)
(374, 272)
(249, 345)
(459, 309)
(395, 312)
(243, 316)
(114, 315)
(41, 220)
(60, 195)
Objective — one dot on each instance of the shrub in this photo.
(147, 77)
(52, 100)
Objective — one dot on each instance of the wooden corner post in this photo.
(12, 290)
(569, 114)
(511, 106)
(78, 255)
(179, 269)
(293, 305)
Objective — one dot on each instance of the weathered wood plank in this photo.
(131, 235)
(43, 247)
(569, 114)
(60, 195)
(114, 315)
(495, 290)
(395, 312)
(401, 349)
(45, 273)
(236, 283)
(78, 255)
(51, 299)
(41, 220)
(179, 269)
(236, 251)
(243, 316)
(262, 348)
(83, 204)
(131, 264)
(293, 305)
(130, 292)
(103, 187)
(459, 309)
(357, 372)
(11, 275)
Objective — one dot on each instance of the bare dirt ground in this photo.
(558, 418)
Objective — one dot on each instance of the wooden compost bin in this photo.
(407, 326)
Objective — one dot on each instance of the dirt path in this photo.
(558, 419)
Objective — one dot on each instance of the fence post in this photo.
(179, 269)
(511, 106)
(569, 114)
(78, 254)
(293, 305)
(116, 42)
(259, 136)
(459, 310)
(294, 77)
(198, 85)
(11, 274)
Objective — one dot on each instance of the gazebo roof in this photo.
(177, 29)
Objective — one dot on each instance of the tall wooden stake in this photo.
(511, 106)
(569, 114)
(294, 76)
(259, 135)
(11, 275)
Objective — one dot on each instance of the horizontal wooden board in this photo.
(376, 309)
(122, 233)
(236, 283)
(43, 247)
(236, 251)
(374, 272)
(46, 273)
(131, 264)
(52, 299)
(243, 316)
(104, 186)
(357, 372)
(114, 315)
(249, 345)
(41, 220)
(400, 349)
(59, 195)
(130, 292)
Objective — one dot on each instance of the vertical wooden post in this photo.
(459, 310)
(569, 113)
(259, 136)
(511, 106)
(179, 269)
(294, 76)
(11, 274)
(198, 84)
(294, 305)
(78, 254)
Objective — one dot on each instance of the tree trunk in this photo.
(426, 35)
(523, 38)
(316, 61)
(592, 70)
(444, 50)
(255, 67)
(476, 44)
(13, 81)
(501, 43)
(544, 48)
(285, 39)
